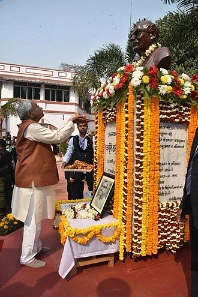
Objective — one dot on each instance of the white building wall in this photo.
(7, 89)
(55, 113)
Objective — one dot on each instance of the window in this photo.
(57, 93)
(26, 90)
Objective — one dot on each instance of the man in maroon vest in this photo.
(35, 176)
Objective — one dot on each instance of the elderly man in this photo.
(143, 38)
(35, 176)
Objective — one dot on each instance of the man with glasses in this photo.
(36, 176)
(144, 42)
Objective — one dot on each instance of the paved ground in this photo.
(162, 276)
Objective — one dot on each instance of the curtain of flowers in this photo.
(149, 225)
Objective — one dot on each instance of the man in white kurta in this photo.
(33, 204)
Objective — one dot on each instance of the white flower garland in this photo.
(80, 211)
(141, 60)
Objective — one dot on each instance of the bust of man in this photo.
(142, 37)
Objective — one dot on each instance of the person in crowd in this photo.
(189, 205)
(144, 36)
(8, 138)
(69, 175)
(6, 181)
(80, 147)
(36, 176)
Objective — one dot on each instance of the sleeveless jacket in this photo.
(35, 161)
(80, 154)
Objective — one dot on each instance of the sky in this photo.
(46, 33)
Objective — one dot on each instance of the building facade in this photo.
(50, 88)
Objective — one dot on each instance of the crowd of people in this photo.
(8, 158)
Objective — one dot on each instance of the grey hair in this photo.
(23, 108)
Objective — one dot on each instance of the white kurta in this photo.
(44, 197)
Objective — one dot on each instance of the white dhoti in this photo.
(31, 206)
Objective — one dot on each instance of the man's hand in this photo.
(78, 118)
(63, 165)
(71, 180)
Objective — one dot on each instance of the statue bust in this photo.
(144, 35)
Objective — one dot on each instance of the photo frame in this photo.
(103, 193)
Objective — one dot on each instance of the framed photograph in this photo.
(103, 193)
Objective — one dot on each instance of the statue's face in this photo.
(141, 38)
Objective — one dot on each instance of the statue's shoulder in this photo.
(161, 52)
(160, 58)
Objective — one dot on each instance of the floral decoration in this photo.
(151, 81)
(9, 224)
(149, 225)
(80, 211)
(83, 235)
(76, 233)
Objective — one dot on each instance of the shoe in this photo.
(35, 264)
(45, 249)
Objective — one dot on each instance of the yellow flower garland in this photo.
(154, 175)
(146, 170)
(146, 207)
(76, 234)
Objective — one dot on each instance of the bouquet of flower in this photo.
(80, 211)
(9, 224)
(165, 84)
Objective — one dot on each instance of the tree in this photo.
(68, 67)
(184, 54)
(100, 65)
(185, 25)
(6, 110)
(82, 83)
(187, 5)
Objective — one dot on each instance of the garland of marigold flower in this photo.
(122, 178)
(100, 148)
(130, 166)
(152, 240)
(66, 230)
(146, 170)
(119, 170)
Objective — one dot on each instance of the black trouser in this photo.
(194, 258)
(79, 179)
(71, 190)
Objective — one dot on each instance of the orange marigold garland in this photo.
(146, 169)
(154, 175)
